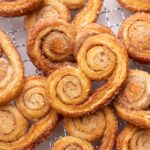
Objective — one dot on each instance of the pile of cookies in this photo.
(72, 52)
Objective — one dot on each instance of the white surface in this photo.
(111, 15)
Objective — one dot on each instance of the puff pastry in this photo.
(73, 4)
(70, 143)
(69, 88)
(16, 132)
(135, 34)
(132, 138)
(11, 71)
(88, 14)
(32, 101)
(89, 31)
(136, 5)
(132, 104)
(102, 56)
(50, 8)
(50, 44)
(94, 127)
(13, 8)
(12, 124)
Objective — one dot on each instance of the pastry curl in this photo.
(132, 138)
(38, 132)
(133, 102)
(50, 8)
(73, 4)
(70, 143)
(88, 31)
(12, 124)
(69, 87)
(13, 8)
(11, 71)
(101, 57)
(95, 126)
(33, 101)
(15, 131)
(136, 5)
(135, 34)
(51, 41)
(88, 14)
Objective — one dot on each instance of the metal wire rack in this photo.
(111, 15)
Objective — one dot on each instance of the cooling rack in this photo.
(111, 15)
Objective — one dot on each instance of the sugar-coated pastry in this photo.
(16, 132)
(12, 124)
(50, 44)
(88, 31)
(94, 127)
(132, 138)
(14, 8)
(33, 101)
(135, 34)
(101, 57)
(11, 70)
(49, 8)
(132, 104)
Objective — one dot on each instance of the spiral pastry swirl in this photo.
(132, 138)
(50, 8)
(69, 88)
(13, 8)
(15, 131)
(102, 56)
(135, 34)
(88, 14)
(51, 41)
(89, 31)
(11, 71)
(71, 4)
(71, 143)
(132, 104)
(12, 124)
(136, 5)
(93, 127)
(33, 102)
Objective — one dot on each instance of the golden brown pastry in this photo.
(15, 131)
(132, 138)
(73, 4)
(135, 34)
(33, 101)
(71, 143)
(50, 8)
(11, 70)
(69, 88)
(13, 8)
(12, 124)
(100, 125)
(89, 31)
(50, 44)
(101, 57)
(136, 5)
(88, 14)
(132, 104)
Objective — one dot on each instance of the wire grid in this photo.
(111, 15)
